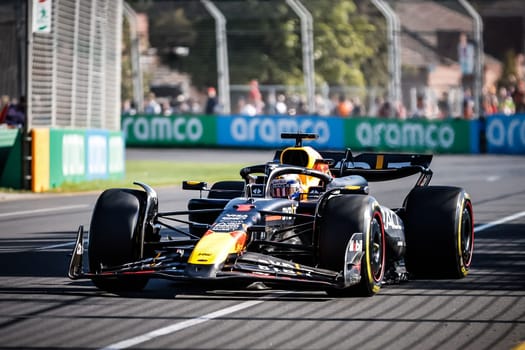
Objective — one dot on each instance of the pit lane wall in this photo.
(67, 155)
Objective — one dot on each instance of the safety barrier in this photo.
(66, 155)
(444, 136)
(11, 158)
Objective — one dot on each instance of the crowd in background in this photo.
(506, 100)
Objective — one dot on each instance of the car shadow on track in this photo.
(497, 264)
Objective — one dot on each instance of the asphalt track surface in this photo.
(41, 309)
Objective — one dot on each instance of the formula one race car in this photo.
(305, 219)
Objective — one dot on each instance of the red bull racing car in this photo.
(304, 219)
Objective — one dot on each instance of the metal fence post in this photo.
(223, 73)
(478, 65)
(138, 88)
(308, 50)
(394, 54)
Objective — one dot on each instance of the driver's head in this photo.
(286, 186)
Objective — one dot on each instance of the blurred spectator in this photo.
(246, 108)
(420, 110)
(490, 101)
(344, 107)
(519, 97)
(211, 102)
(167, 110)
(194, 105)
(4, 105)
(376, 106)
(16, 114)
(385, 111)
(322, 105)
(358, 109)
(506, 103)
(255, 97)
(128, 108)
(468, 104)
(152, 106)
(280, 105)
(443, 106)
(401, 111)
(301, 108)
(271, 101)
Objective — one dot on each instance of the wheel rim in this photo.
(377, 253)
(467, 235)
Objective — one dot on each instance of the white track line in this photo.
(173, 328)
(499, 222)
(181, 325)
(46, 210)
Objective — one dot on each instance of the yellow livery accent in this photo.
(379, 161)
(214, 247)
(40, 160)
(303, 157)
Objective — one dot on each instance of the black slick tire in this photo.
(114, 237)
(343, 216)
(439, 227)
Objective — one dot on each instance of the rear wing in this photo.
(379, 166)
(376, 166)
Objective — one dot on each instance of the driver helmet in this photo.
(286, 186)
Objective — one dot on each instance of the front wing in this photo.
(171, 263)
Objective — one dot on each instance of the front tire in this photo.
(115, 237)
(439, 225)
(343, 216)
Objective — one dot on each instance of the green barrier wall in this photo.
(11, 158)
(83, 155)
(166, 131)
(440, 136)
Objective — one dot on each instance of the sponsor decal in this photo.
(257, 190)
(405, 134)
(97, 154)
(506, 134)
(267, 130)
(268, 264)
(356, 243)
(163, 128)
(73, 155)
(390, 219)
(116, 154)
(230, 222)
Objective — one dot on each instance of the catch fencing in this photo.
(74, 75)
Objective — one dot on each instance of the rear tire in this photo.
(439, 228)
(342, 217)
(115, 237)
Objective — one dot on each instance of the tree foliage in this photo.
(264, 41)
